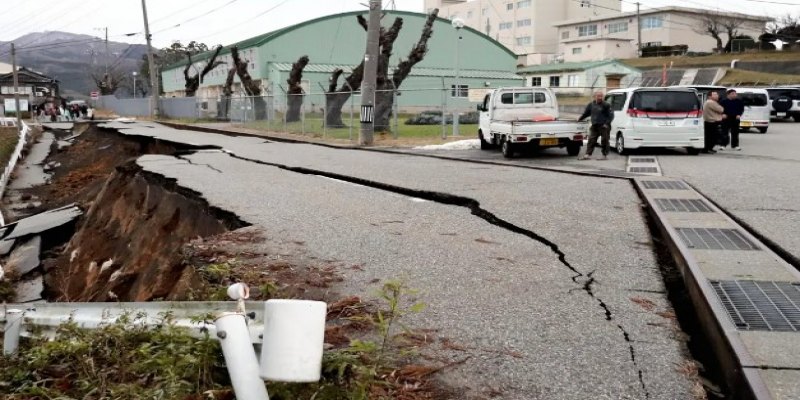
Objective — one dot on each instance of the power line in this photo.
(195, 17)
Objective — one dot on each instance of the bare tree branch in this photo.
(251, 87)
(334, 80)
(417, 52)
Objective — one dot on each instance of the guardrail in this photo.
(288, 333)
(12, 162)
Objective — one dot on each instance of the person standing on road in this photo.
(733, 109)
(713, 114)
(602, 115)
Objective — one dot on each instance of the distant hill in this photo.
(70, 57)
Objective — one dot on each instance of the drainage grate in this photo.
(761, 305)
(643, 170)
(642, 160)
(715, 239)
(683, 205)
(665, 185)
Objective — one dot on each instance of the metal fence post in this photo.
(302, 116)
(352, 109)
(12, 331)
(396, 129)
(444, 110)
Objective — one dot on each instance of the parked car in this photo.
(656, 117)
(785, 102)
(519, 118)
(756, 108)
(435, 118)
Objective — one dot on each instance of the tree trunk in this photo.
(295, 93)
(193, 82)
(251, 88)
(335, 98)
(227, 92)
(384, 106)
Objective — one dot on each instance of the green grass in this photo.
(314, 126)
(8, 141)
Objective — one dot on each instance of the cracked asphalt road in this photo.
(541, 330)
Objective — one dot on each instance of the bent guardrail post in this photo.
(234, 338)
(12, 331)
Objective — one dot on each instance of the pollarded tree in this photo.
(251, 87)
(337, 96)
(295, 92)
(193, 81)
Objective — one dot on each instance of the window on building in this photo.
(618, 27)
(573, 80)
(565, 35)
(469, 14)
(22, 90)
(523, 3)
(506, 25)
(577, 50)
(536, 81)
(586, 3)
(653, 22)
(587, 30)
(461, 91)
(555, 81)
(651, 44)
(510, 6)
(484, 11)
(521, 41)
(523, 22)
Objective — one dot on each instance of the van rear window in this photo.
(665, 101)
(753, 99)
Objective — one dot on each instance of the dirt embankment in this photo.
(128, 244)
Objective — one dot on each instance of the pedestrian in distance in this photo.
(713, 115)
(602, 115)
(733, 110)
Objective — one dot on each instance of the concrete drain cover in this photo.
(665, 185)
(761, 305)
(715, 239)
(683, 205)
(643, 170)
(642, 160)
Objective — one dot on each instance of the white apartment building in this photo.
(615, 36)
(524, 26)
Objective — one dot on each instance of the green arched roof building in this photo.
(338, 41)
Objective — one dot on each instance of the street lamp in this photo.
(457, 23)
(134, 84)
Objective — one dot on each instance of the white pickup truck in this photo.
(517, 118)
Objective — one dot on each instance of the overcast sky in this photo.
(227, 21)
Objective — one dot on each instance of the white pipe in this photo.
(240, 357)
(12, 330)
(294, 332)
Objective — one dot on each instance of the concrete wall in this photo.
(597, 50)
(178, 107)
(588, 80)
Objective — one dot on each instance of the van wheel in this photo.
(574, 148)
(762, 130)
(796, 117)
(620, 145)
(507, 149)
(484, 144)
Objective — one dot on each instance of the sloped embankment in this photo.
(128, 245)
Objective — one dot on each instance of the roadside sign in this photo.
(477, 95)
(95, 95)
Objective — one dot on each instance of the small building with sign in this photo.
(581, 78)
(35, 88)
(457, 61)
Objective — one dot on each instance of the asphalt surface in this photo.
(537, 327)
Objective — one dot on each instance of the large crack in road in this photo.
(584, 280)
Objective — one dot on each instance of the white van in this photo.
(756, 108)
(656, 117)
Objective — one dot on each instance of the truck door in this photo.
(484, 118)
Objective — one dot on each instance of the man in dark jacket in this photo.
(602, 115)
(733, 110)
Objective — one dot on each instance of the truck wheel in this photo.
(574, 148)
(484, 144)
(764, 130)
(692, 151)
(796, 118)
(507, 149)
(620, 145)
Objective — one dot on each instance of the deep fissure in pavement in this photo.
(476, 209)
(698, 343)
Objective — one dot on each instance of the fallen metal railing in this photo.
(289, 333)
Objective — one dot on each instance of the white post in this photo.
(240, 357)
(12, 331)
(294, 333)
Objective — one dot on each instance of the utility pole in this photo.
(16, 87)
(154, 89)
(369, 82)
(639, 27)
(107, 55)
